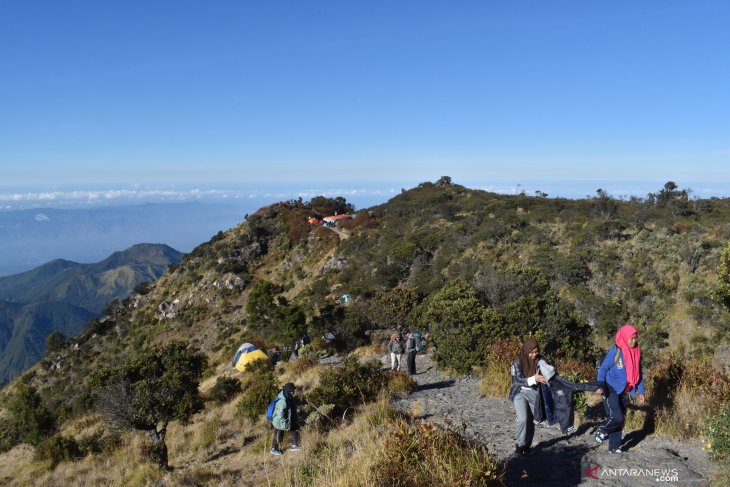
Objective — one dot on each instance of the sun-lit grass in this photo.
(381, 448)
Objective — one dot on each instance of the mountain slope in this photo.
(436, 256)
(62, 295)
(89, 286)
(24, 329)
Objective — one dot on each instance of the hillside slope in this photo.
(62, 295)
(472, 268)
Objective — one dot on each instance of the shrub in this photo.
(146, 393)
(346, 386)
(57, 449)
(400, 383)
(455, 317)
(29, 418)
(261, 386)
(685, 393)
(100, 442)
(718, 432)
(8, 435)
(496, 379)
(55, 342)
(421, 454)
(224, 390)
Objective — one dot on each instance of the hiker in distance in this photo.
(285, 418)
(396, 349)
(525, 396)
(621, 371)
(413, 341)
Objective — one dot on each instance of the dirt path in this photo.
(559, 460)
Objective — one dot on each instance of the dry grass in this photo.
(121, 468)
(380, 448)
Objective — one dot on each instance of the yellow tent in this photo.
(246, 354)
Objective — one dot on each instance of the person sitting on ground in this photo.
(285, 419)
(621, 371)
(524, 395)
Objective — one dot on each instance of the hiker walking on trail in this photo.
(284, 418)
(396, 349)
(525, 396)
(412, 344)
(621, 371)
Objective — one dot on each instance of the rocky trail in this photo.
(559, 460)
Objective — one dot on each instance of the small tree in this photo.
(147, 393)
(261, 299)
(55, 342)
(455, 316)
(393, 307)
(30, 421)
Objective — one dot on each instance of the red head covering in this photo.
(631, 356)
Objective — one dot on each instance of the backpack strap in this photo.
(617, 354)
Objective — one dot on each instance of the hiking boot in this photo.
(295, 447)
(540, 424)
(523, 451)
(618, 450)
(601, 437)
(276, 452)
(569, 430)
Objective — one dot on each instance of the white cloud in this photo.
(42, 217)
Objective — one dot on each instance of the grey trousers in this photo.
(524, 403)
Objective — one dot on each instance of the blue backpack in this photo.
(270, 409)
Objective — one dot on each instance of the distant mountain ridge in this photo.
(33, 237)
(62, 295)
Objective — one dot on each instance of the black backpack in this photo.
(616, 357)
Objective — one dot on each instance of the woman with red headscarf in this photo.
(621, 371)
(525, 396)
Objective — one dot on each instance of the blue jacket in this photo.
(614, 374)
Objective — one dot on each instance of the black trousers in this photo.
(279, 435)
(411, 362)
(615, 405)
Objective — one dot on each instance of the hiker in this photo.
(298, 345)
(396, 349)
(524, 395)
(285, 419)
(557, 397)
(412, 343)
(621, 371)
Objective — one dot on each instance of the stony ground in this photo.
(559, 460)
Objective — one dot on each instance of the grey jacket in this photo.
(518, 382)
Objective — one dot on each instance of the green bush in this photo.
(455, 317)
(718, 432)
(29, 418)
(57, 449)
(224, 390)
(261, 386)
(100, 442)
(347, 386)
(8, 435)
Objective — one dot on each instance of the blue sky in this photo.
(561, 96)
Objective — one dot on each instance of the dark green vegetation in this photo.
(61, 296)
(469, 267)
(150, 390)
